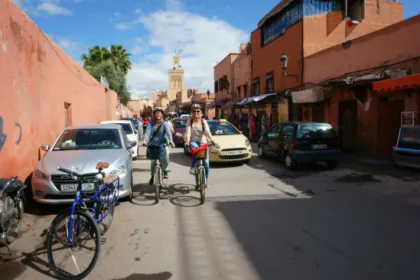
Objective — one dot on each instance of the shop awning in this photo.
(217, 103)
(407, 82)
(258, 98)
(228, 105)
(312, 95)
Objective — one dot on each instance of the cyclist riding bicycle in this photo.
(196, 135)
(157, 134)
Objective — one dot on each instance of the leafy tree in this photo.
(113, 64)
(116, 79)
(121, 58)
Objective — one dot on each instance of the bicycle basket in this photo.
(153, 153)
(201, 154)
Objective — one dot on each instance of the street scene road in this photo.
(259, 222)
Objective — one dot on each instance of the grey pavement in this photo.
(259, 222)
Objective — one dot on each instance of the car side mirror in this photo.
(45, 147)
(241, 131)
(132, 144)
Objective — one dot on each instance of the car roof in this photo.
(116, 121)
(94, 126)
(299, 123)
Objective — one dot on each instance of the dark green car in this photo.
(298, 142)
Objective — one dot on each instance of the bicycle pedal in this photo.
(103, 240)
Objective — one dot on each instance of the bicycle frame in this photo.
(79, 201)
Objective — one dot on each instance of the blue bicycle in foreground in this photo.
(73, 228)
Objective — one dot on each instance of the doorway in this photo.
(389, 122)
(347, 125)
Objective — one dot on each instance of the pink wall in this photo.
(392, 44)
(37, 79)
(326, 30)
(223, 68)
(241, 74)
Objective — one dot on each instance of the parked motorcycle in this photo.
(12, 200)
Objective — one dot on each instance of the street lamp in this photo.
(284, 63)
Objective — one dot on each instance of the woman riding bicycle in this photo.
(196, 135)
(157, 134)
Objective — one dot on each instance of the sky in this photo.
(151, 30)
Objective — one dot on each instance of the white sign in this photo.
(104, 82)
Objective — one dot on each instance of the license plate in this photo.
(318, 147)
(73, 187)
(233, 153)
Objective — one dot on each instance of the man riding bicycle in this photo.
(196, 135)
(157, 134)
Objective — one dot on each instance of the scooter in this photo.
(12, 200)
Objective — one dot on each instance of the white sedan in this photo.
(131, 133)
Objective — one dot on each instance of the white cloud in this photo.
(53, 9)
(122, 26)
(203, 42)
(40, 7)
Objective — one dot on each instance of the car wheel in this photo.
(289, 162)
(261, 152)
(130, 196)
(332, 164)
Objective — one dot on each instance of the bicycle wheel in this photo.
(106, 208)
(78, 242)
(202, 179)
(158, 182)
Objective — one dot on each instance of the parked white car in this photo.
(80, 148)
(131, 133)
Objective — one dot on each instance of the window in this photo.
(269, 82)
(216, 86)
(180, 123)
(274, 132)
(409, 138)
(355, 9)
(67, 114)
(276, 26)
(219, 129)
(256, 87)
(126, 127)
(316, 130)
(287, 132)
(245, 90)
(88, 139)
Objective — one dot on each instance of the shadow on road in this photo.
(335, 236)
(177, 194)
(155, 276)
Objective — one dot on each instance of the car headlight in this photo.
(215, 146)
(119, 170)
(178, 134)
(247, 143)
(39, 174)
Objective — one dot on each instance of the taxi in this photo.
(231, 144)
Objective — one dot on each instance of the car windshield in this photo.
(315, 130)
(222, 129)
(88, 139)
(126, 127)
(180, 123)
(409, 138)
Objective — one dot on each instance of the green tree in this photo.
(96, 55)
(116, 79)
(121, 58)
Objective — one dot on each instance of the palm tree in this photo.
(121, 58)
(95, 56)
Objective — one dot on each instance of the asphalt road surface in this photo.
(259, 222)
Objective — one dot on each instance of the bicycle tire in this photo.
(51, 232)
(158, 181)
(202, 185)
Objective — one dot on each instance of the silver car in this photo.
(80, 148)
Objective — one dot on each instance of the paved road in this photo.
(260, 222)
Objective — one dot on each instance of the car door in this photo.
(286, 138)
(273, 137)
